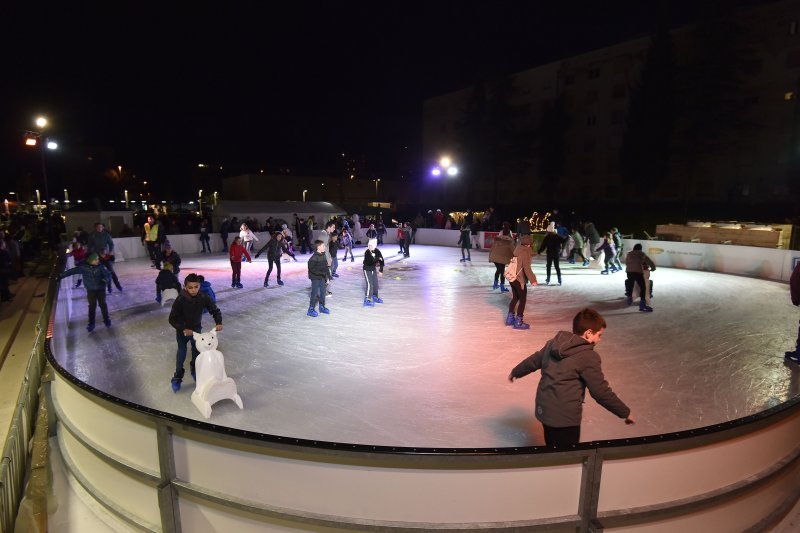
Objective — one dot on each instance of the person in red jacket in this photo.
(794, 290)
(236, 251)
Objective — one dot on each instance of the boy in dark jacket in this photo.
(95, 278)
(464, 242)
(552, 242)
(205, 288)
(166, 280)
(794, 291)
(373, 258)
(319, 274)
(569, 366)
(185, 317)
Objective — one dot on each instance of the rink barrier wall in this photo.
(751, 261)
(16, 457)
(157, 471)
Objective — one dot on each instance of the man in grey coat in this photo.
(569, 366)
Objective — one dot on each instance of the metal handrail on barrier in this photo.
(16, 457)
(160, 472)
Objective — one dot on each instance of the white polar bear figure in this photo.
(168, 294)
(213, 384)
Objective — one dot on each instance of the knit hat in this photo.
(92, 257)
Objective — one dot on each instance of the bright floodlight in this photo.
(31, 141)
(52, 145)
(445, 162)
(452, 171)
(41, 122)
(436, 171)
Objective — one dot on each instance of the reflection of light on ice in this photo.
(428, 367)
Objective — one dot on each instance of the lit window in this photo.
(788, 95)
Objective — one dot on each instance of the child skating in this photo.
(95, 277)
(373, 259)
(236, 251)
(185, 317)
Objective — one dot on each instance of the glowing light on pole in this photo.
(127, 200)
(41, 122)
(200, 201)
(304, 194)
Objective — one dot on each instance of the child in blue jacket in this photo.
(95, 278)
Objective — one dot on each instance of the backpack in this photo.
(511, 270)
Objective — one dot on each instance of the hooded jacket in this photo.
(569, 366)
(95, 277)
(635, 259)
(524, 255)
(552, 243)
(187, 311)
(502, 249)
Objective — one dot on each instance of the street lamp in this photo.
(445, 166)
(34, 138)
(304, 195)
(200, 201)
(377, 181)
(127, 200)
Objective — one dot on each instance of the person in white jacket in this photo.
(248, 238)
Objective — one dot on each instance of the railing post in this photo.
(168, 503)
(590, 492)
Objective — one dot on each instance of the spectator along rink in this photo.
(428, 367)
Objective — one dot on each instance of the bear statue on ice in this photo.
(213, 384)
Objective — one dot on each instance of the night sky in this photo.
(161, 88)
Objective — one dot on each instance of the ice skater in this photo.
(635, 262)
(569, 366)
(78, 254)
(500, 254)
(171, 256)
(107, 260)
(519, 284)
(347, 242)
(166, 279)
(319, 273)
(464, 242)
(235, 252)
(794, 291)
(205, 288)
(577, 247)
(95, 277)
(186, 316)
(372, 258)
(552, 243)
(274, 248)
(607, 248)
(247, 236)
(333, 248)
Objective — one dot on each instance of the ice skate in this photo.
(645, 308)
(311, 312)
(239, 286)
(503, 288)
(495, 286)
(377, 300)
(510, 319)
(177, 379)
(368, 302)
(107, 322)
(280, 282)
(324, 310)
(629, 300)
(266, 284)
(90, 328)
(519, 324)
(794, 356)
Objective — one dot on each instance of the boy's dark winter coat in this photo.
(569, 366)
(167, 280)
(318, 267)
(187, 311)
(552, 243)
(372, 259)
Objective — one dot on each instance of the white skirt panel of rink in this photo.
(429, 367)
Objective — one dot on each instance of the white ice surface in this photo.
(428, 367)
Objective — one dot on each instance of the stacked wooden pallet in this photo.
(771, 236)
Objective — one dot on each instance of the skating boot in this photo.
(604, 271)
(645, 308)
(503, 288)
(495, 286)
(377, 300)
(585, 262)
(571, 261)
(177, 379)
(510, 319)
(519, 324)
(324, 310)
(90, 328)
(368, 303)
(794, 356)
(239, 286)
(280, 282)
(311, 312)
(266, 284)
(233, 285)
(629, 300)
(107, 322)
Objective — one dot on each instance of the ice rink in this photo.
(429, 367)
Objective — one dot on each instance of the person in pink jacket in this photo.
(794, 290)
